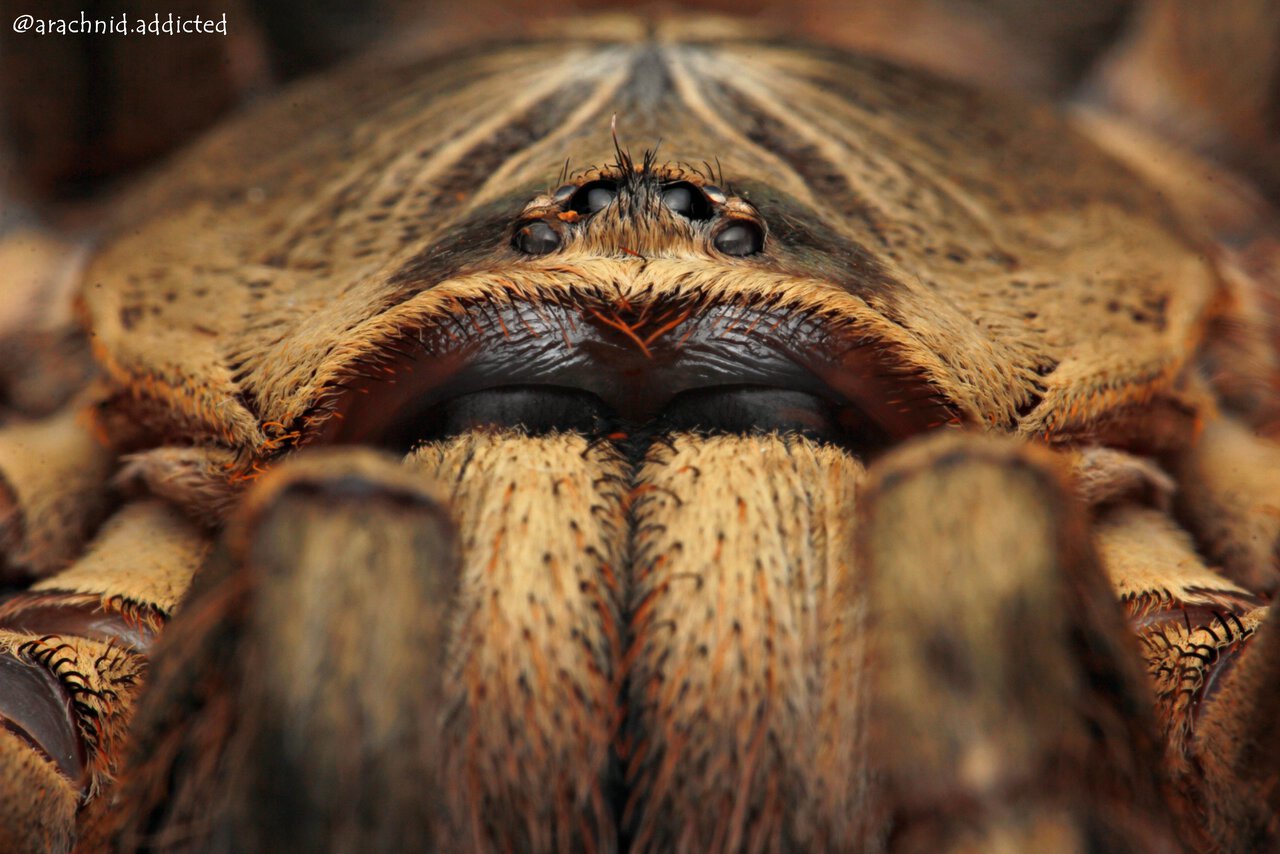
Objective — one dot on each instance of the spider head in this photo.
(646, 209)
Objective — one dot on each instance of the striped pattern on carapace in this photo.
(1028, 278)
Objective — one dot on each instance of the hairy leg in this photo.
(1009, 711)
(72, 650)
(292, 704)
(1237, 744)
(1230, 499)
(745, 726)
(1007, 704)
(53, 493)
(537, 637)
(1212, 662)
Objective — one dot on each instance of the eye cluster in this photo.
(735, 234)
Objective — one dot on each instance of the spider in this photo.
(873, 463)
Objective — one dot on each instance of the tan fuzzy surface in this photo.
(684, 650)
(532, 710)
(44, 356)
(342, 659)
(145, 554)
(37, 803)
(979, 572)
(1105, 475)
(1238, 747)
(1150, 558)
(1230, 497)
(205, 481)
(295, 701)
(1191, 622)
(53, 490)
(640, 640)
(1038, 284)
(747, 672)
(40, 270)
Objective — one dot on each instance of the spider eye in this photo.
(537, 238)
(594, 197)
(686, 200)
(740, 238)
(598, 198)
(714, 193)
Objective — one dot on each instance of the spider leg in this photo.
(746, 725)
(534, 678)
(1215, 665)
(322, 683)
(291, 704)
(52, 495)
(1009, 712)
(66, 705)
(1237, 743)
(1213, 661)
(1230, 499)
(72, 650)
(1191, 624)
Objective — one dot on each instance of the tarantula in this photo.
(873, 464)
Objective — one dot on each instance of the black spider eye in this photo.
(594, 197)
(537, 238)
(686, 200)
(679, 198)
(598, 198)
(563, 193)
(740, 238)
